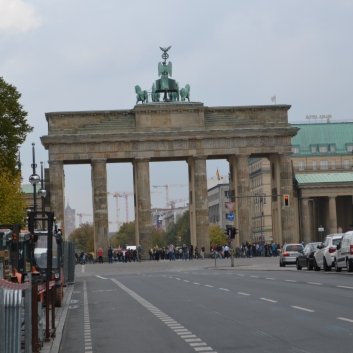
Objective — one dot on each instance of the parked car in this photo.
(307, 258)
(289, 254)
(325, 255)
(344, 254)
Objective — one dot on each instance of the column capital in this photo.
(98, 160)
(142, 159)
(202, 156)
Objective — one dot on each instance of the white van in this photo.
(344, 253)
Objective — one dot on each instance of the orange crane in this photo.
(173, 202)
(167, 191)
(80, 215)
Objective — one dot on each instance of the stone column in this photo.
(305, 218)
(142, 201)
(332, 215)
(240, 188)
(100, 205)
(198, 203)
(287, 213)
(57, 192)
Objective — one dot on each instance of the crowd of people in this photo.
(173, 253)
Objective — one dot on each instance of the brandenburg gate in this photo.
(174, 130)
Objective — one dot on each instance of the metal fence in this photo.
(15, 299)
(69, 261)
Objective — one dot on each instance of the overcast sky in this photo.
(89, 54)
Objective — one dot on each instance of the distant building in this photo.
(70, 220)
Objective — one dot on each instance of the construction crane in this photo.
(124, 194)
(80, 215)
(173, 202)
(167, 202)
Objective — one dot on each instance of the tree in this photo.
(12, 200)
(158, 237)
(83, 236)
(13, 126)
(217, 235)
(179, 230)
(125, 235)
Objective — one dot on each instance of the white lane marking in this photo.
(269, 300)
(227, 290)
(170, 277)
(207, 285)
(254, 276)
(240, 275)
(87, 329)
(83, 268)
(177, 279)
(198, 344)
(186, 280)
(318, 284)
(193, 340)
(290, 280)
(300, 308)
(195, 283)
(243, 293)
(344, 287)
(273, 279)
(101, 277)
(344, 319)
(181, 332)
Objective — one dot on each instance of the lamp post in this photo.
(34, 179)
(43, 193)
(260, 200)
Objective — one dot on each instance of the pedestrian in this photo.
(110, 255)
(156, 254)
(150, 252)
(226, 251)
(100, 255)
(185, 250)
(191, 252)
(196, 253)
(202, 252)
(139, 253)
(171, 252)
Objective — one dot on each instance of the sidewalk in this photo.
(60, 317)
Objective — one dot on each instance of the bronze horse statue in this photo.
(141, 96)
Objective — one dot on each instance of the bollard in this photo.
(28, 315)
(2, 320)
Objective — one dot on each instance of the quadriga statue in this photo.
(141, 96)
(185, 93)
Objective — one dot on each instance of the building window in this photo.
(323, 149)
(323, 165)
(295, 150)
(332, 148)
(333, 164)
(313, 149)
(314, 165)
(226, 194)
(350, 148)
(346, 164)
(301, 165)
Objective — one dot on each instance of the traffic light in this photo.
(234, 233)
(226, 232)
(286, 200)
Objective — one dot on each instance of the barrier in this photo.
(69, 261)
(13, 299)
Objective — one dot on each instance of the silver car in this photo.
(289, 254)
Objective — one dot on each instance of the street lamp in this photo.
(260, 200)
(42, 193)
(34, 179)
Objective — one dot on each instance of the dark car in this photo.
(306, 259)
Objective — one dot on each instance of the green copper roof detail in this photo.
(336, 137)
(320, 178)
(27, 188)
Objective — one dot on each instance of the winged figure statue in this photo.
(164, 69)
(165, 49)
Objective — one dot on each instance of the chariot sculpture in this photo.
(165, 85)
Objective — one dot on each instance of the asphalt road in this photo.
(194, 307)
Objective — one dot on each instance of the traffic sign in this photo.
(230, 216)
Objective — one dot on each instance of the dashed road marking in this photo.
(186, 280)
(227, 290)
(269, 300)
(344, 319)
(87, 325)
(304, 309)
(290, 280)
(101, 277)
(182, 332)
(243, 293)
(254, 276)
(240, 275)
(207, 285)
(344, 287)
(195, 283)
(83, 268)
(318, 284)
(273, 279)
